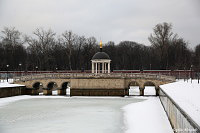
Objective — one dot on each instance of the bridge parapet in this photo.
(149, 76)
(88, 84)
(91, 75)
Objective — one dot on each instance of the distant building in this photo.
(101, 62)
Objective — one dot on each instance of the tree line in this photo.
(44, 50)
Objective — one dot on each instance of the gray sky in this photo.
(110, 20)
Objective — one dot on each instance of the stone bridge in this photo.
(88, 84)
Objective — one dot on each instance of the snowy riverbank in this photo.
(187, 96)
(146, 117)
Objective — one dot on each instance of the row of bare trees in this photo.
(45, 50)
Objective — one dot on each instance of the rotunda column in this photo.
(99, 68)
(109, 67)
(96, 67)
(103, 67)
(92, 67)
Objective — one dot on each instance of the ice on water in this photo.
(73, 115)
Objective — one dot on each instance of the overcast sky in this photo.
(108, 20)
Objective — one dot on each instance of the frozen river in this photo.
(64, 115)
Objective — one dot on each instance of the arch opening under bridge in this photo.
(65, 88)
(51, 88)
(38, 87)
(134, 88)
(150, 89)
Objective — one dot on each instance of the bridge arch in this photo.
(64, 85)
(64, 88)
(52, 85)
(134, 88)
(37, 85)
(49, 87)
(152, 88)
(149, 83)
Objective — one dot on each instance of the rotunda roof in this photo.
(101, 55)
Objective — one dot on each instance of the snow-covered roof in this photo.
(186, 95)
(6, 85)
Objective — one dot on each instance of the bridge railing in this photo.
(90, 75)
(150, 76)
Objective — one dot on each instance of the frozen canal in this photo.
(61, 115)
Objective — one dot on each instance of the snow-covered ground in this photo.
(46, 114)
(146, 117)
(187, 96)
(6, 84)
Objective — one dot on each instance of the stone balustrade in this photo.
(91, 75)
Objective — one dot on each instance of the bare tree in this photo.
(42, 48)
(72, 51)
(89, 49)
(69, 40)
(79, 42)
(45, 38)
(14, 52)
(161, 39)
(12, 35)
(197, 56)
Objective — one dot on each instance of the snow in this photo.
(55, 92)
(6, 85)
(5, 80)
(102, 114)
(187, 96)
(149, 90)
(64, 114)
(146, 117)
(134, 90)
(8, 100)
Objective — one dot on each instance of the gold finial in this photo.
(100, 44)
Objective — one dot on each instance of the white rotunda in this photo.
(101, 62)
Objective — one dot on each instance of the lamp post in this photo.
(184, 74)
(150, 66)
(191, 73)
(20, 65)
(7, 71)
(36, 69)
(198, 74)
